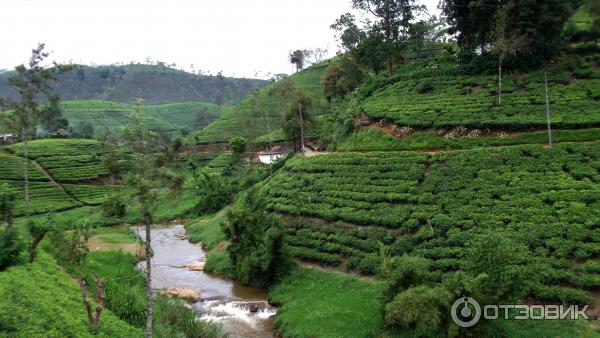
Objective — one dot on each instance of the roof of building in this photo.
(276, 150)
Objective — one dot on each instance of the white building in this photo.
(268, 157)
(7, 138)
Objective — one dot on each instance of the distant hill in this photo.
(154, 83)
(113, 115)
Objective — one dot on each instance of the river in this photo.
(243, 311)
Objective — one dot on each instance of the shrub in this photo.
(369, 265)
(237, 144)
(215, 193)
(422, 309)
(404, 272)
(424, 87)
(257, 250)
(114, 206)
(11, 247)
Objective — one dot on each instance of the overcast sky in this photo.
(240, 37)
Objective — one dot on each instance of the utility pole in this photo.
(548, 117)
(301, 129)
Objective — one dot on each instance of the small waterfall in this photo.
(242, 318)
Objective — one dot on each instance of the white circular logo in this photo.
(465, 306)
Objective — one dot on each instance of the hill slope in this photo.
(249, 117)
(155, 83)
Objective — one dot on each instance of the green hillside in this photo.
(432, 205)
(114, 115)
(249, 117)
(40, 300)
(156, 83)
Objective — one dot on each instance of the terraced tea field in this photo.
(434, 94)
(71, 163)
(339, 208)
(67, 160)
(114, 115)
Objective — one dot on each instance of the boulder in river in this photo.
(185, 294)
(195, 266)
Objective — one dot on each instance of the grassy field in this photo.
(249, 117)
(41, 300)
(207, 230)
(432, 205)
(323, 304)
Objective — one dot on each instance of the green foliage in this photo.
(124, 287)
(7, 204)
(114, 207)
(404, 272)
(70, 248)
(499, 264)
(301, 103)
(341, 78)
(84, 129)
(237, 144)
(423, 310)
(257, 245)
(477, 26)
(37, 232)
(325, 304)
(162, 84)
(219, 263)
(11, 246)
(214, 192)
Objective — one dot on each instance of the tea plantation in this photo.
(114, 115)
(44, 196)
(437, 94)
(70, 162)
(340, 207)
(67, 160)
